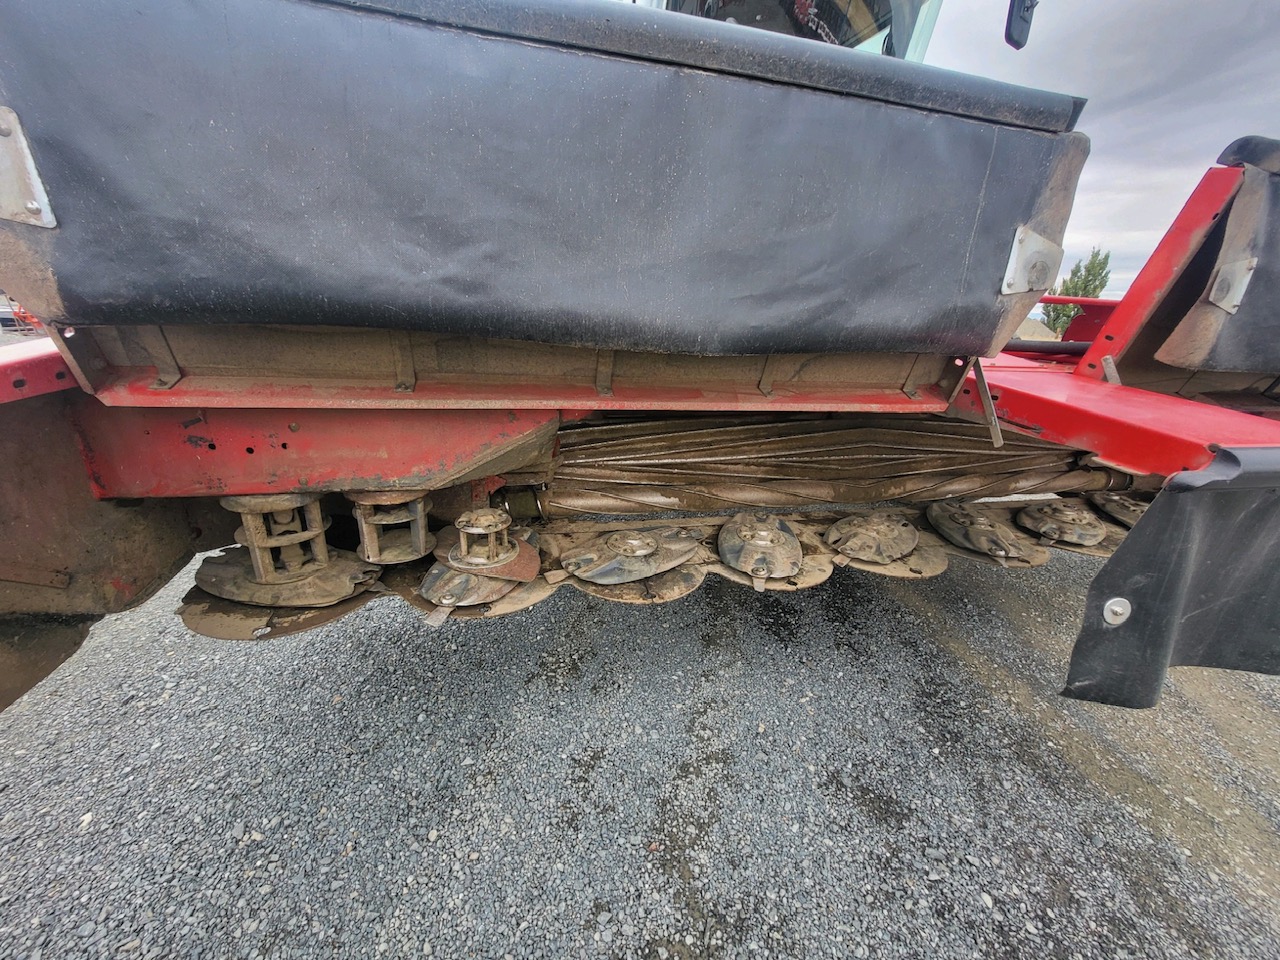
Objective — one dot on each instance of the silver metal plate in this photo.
(22, 195)
(1232, 280)
(1034, 262)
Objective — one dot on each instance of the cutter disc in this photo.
(928, 559)
(211, 616)
(444, 586)
(660, 588)
(814, 569)
(881, 536)
(524, 596)
(762, 546)
(1119, 506)
(522, 563)
(625, 556)
(980, 533)
(1064, 521)
(230, 575)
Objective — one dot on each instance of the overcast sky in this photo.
(1170, 83)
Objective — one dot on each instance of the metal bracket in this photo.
(156, 344)
(1110, 372)
(402, 355)
(22, 195)
(82, 356)
(988, 405)
(1033, 263)
(964, 374)
(604, 373)
(1230, 283)
(767, 375)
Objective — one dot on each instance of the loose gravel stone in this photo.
(872, 768)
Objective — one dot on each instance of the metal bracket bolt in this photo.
(1116, 611)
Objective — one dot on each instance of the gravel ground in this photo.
(871, 768)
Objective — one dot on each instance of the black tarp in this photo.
(562, 170)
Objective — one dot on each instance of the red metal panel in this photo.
(32, 368)
(205, 392)
(1088, 323)
(1135, 430)
(165, 452)
(1179, 244)
(140, 452)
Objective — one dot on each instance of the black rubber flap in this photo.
(1246, 276)
(1201, 572)
(272, 161)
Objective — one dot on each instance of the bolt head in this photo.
(32, 206)
(1038, 275)
(6, 130)
(1116, 611)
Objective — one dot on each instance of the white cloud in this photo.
(1169, 83)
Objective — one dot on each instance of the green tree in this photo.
(1088, 278)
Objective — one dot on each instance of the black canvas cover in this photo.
(569, 171)
(1235, 326)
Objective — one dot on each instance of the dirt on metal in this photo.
(473, 594)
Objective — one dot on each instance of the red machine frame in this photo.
(142, 442)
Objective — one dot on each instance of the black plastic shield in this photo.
(1234, 325)
(551, 170)
(1201, 573)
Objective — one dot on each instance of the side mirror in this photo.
(1017, 28)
